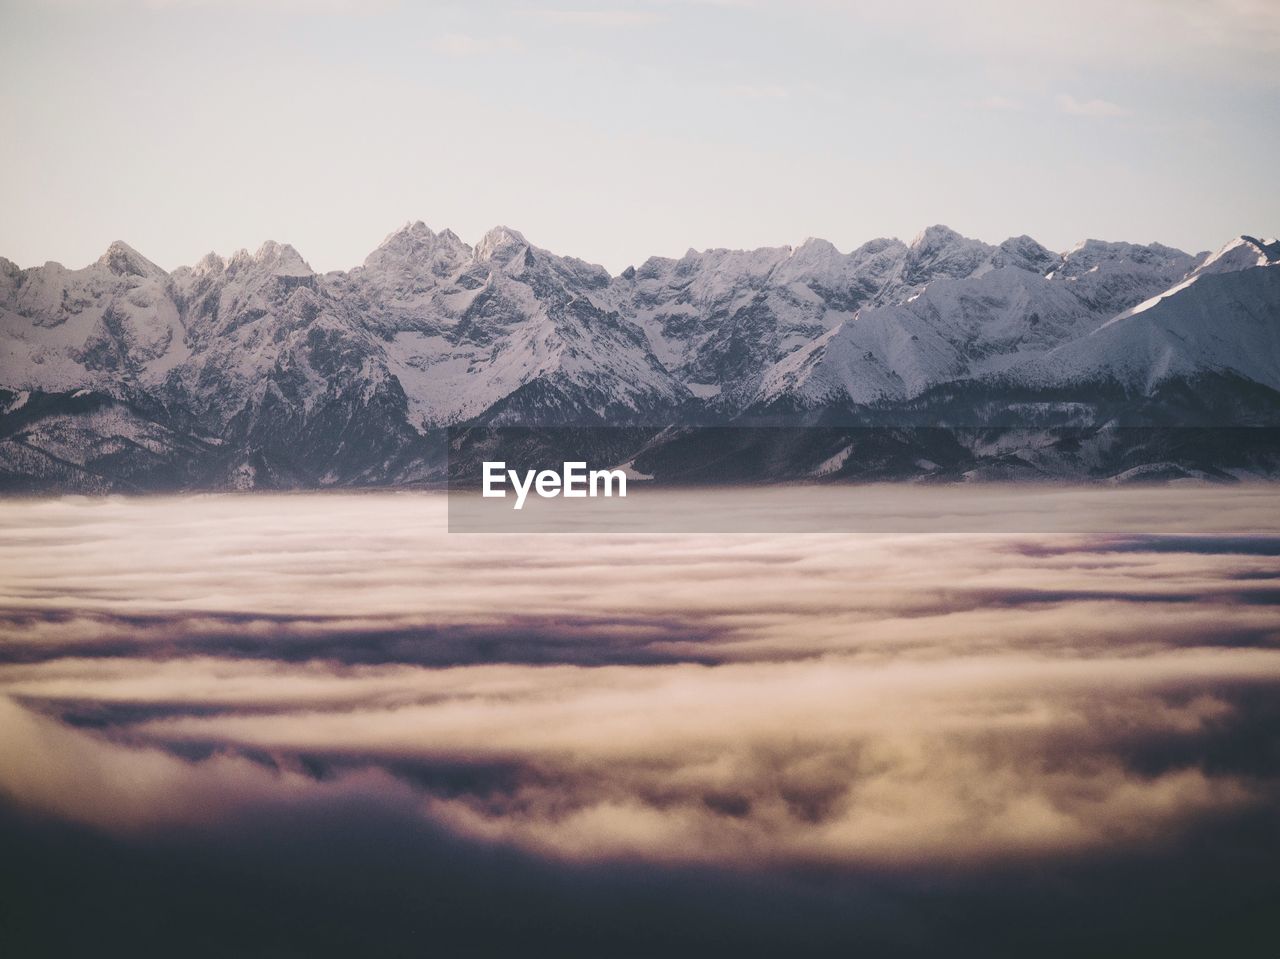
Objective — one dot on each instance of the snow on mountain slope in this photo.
(1026, 254)
(113, 320)
(251, 321)
(409, 282)
(941, 252)
(1112, 277)
(1240, 254)
(951, 330)
(983, 310)
(721, 318)
(843, 280)
(463, 329)
(1219, 322)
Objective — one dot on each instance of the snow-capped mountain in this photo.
(1224, 318)
(65, 329)
(959, 310)
(254, 370)
(506, 331)
(952, 329)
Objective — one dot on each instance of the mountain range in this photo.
(254, 371)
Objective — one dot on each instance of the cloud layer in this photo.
(751, 705)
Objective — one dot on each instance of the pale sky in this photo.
(615, 131)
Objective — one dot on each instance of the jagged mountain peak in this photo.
(210, 263)
(815, 255)
(283, 259)
(940, 251)
(1088, 253)
(416, 243)
(881, 247)
(123, 260)
(412, 233)
(816, 243)
(1241, 253)
(500, 243)
(734, 262)
(276, 259)
(1026, 253)
(417, 232)
(936, 236)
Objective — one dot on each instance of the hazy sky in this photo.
(616, 131)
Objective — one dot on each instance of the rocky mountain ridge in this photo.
(255, 371)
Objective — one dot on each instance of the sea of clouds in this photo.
(332, 698)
